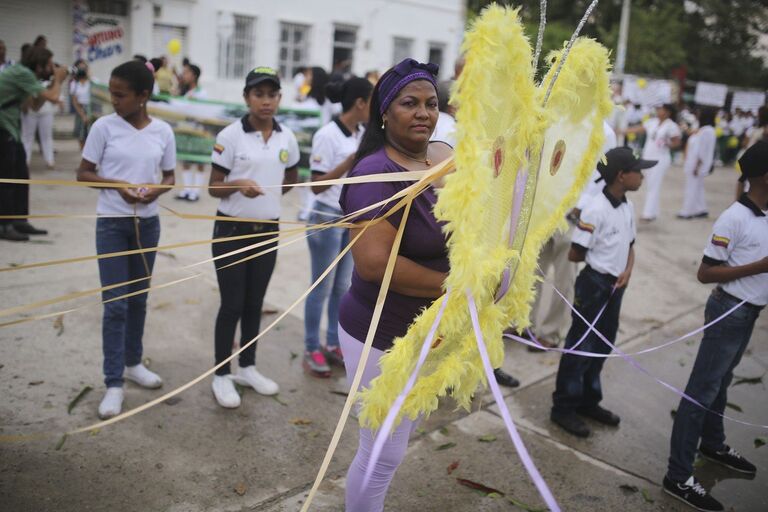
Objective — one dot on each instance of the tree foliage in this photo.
(714, 40)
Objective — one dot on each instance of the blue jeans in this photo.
(578, 378)
(720, 351)
(123, 322)
(324, 246)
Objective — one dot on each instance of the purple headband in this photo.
(401, 75)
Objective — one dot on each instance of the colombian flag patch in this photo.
(584, 226)
(720, 241)
(218, 148)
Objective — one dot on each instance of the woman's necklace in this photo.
(426, 160)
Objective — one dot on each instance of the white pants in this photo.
(654, 177)
(42, 123)
(694, 200)
(550, 314)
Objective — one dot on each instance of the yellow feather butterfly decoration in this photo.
(513, 148)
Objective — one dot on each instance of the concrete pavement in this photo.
(191, 455)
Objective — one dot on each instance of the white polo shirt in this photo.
(241, 153)
(124, 153)
(607, 230)
(659, 137)
(740, 237)
(331, 145)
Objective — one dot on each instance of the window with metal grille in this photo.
(113, 7)
(344, 39)
(294, 48)
(236, 42)
(402, 49)
(436, 51)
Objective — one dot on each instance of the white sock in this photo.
(188, 177)
(200, 180)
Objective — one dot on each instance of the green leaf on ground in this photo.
(277, 399)
(445, 446)
(673, 412)
(760, 441)
(294, 355)
(646, 495)
(444, 431)
(80, 396)
(489, 438)
(421, 431)
(60, 444)
(735, 407)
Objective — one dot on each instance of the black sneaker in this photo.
(692, 493)
(8, 232)
(600, 415)
(729, 458)
(505, 379)
(28, 229)
(571, 423)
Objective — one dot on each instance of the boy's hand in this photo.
(763, 265)
(623, 280)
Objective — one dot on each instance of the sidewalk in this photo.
(191, 455)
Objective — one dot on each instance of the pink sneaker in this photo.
(315, 364)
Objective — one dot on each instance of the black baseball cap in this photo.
(754, 161)
(621, 160)
(260, 75)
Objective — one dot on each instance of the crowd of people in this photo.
(400, 121)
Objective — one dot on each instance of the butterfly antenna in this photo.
(568, 48)
(540, 35)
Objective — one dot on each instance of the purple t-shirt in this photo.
(423, 242)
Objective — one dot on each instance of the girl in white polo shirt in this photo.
(256, 155)
(333, 148)
(127, 147)
(662, 134)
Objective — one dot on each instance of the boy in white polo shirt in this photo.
(736, 257)
(603, 238)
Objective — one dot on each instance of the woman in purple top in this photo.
(402, 117)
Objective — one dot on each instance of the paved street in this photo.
(190, 455)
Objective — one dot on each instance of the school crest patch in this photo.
(284, 156)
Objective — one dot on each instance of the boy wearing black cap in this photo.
(736, 257)
(603, 238)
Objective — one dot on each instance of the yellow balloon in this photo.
(718, 132)
(642, 83)
(174, 46)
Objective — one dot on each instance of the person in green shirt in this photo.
(20, 88)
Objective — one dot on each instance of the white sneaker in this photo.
(248, 376)
(225, 392)
(142, 376)
(111, 404)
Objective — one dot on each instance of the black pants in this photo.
(14, 199)
(242, 287)
(578, 378)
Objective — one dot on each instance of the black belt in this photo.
(608, 277)
(719, 292)
(250, 227)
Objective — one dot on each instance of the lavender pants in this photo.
(372, 498)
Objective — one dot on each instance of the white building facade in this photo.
(226, 38)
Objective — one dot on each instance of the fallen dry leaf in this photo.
(162, 305)
(268, 311)
(192, 301)
(452, 466)
(58, 324)
(475, 486)
(240, 488)
(301, 421)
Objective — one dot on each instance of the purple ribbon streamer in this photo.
(389, 421)
(639, 367)
(514, 218)
(525, 457)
